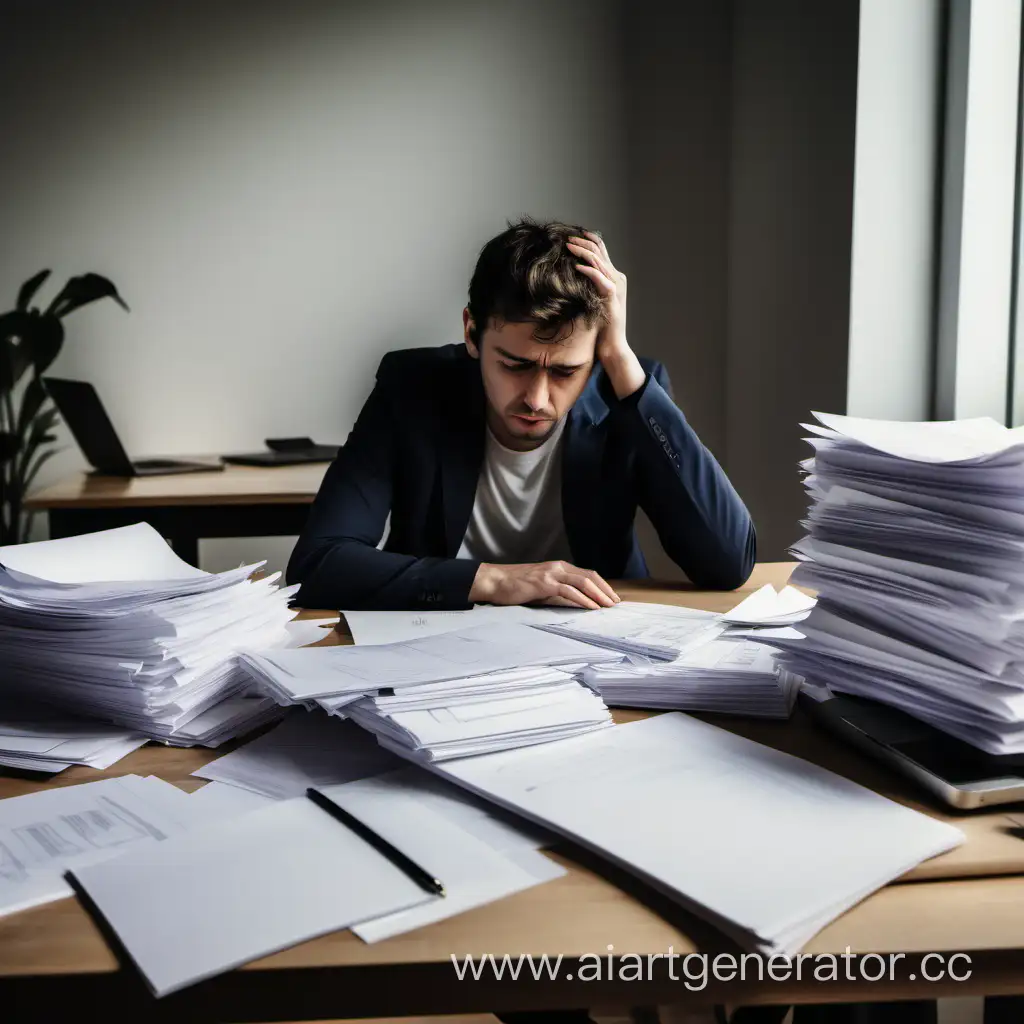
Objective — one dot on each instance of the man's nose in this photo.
(537, 394)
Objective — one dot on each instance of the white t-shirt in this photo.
(517, 512)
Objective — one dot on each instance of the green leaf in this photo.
(80, 291)
(29, 288)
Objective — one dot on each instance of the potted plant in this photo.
(30, 340)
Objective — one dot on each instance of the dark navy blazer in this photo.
(416, 452)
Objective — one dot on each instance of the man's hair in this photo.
(527, 274)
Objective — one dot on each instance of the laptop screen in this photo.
(82, 410)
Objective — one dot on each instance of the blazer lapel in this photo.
(462, 452)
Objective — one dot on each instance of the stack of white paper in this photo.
(731, 676)
(345, 673)
(916, 549)
(37, 738)
(632, 627)
(767, 847)
(434, 722)
(115, 626)
(44, 834)
(449, 695)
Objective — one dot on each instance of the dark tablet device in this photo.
(961, 775)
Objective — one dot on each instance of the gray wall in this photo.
(741, 125)
(794, 102)
(676, 90)
(283, 193)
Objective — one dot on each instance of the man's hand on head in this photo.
(618, 359)
(558, 583)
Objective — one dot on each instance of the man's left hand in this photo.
(618, 359)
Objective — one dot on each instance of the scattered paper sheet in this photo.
(473, 872)
(771, 847)
(257, 883)
(43, 834)
(307, 749)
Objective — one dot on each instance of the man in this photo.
(512, 466)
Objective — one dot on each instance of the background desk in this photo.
(53, 957)
(240, 501)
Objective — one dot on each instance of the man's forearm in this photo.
(351, 574)
(625, 374)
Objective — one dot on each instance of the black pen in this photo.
(422, 878)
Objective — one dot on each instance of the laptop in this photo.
(87, 419)
(961, 775)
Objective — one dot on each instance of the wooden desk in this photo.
(240, 501)
(54, 956)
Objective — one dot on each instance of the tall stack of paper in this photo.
(114, 625)
(916, 547)
(767, 847)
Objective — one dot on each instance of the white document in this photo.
(499, 829)
(315, 672)
(394, 627)
(768, 607)
(764, 845)
(37, 737)
(307, 749)
(135, 552)
(253, 885)
(940, 441)
(472, 871)
(634, 627)
(220, 801)
(43, 834)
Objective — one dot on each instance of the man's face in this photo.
(530, 384)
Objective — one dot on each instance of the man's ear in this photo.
(470, 334)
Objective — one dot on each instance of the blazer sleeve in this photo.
(336, 560)
(701, 521)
